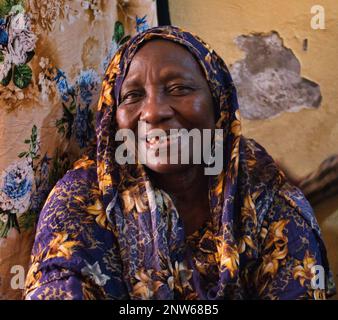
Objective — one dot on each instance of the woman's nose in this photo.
(156, 109)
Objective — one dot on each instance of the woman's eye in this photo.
(131, 96)
(179, 89)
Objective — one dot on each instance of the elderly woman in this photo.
(168, 231)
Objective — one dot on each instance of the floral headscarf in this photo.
(261, 242)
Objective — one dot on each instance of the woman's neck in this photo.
(182, 185)
(189, 192)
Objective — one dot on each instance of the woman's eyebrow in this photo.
(165, 75)
(168, 75)
(132, 80)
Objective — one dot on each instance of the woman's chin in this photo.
(167, 168)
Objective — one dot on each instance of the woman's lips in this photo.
(162, 141)
(161, 145)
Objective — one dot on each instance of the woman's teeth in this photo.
(152, 140)
(161, 139)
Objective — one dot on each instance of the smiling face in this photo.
(165, 88)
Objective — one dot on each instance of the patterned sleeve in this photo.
(293, 262)
(74, 254)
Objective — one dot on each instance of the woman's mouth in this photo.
(160, 141)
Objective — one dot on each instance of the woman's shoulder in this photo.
(262, 177)
(80, 179)
(279, 224)
(83, 172)
(74, 200)
(256, 167)
(74, 248)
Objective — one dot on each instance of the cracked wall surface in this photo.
(268, 79)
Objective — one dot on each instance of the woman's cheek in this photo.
(197, 109)
(127, 117)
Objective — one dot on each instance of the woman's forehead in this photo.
(166, 56)
(160, 44)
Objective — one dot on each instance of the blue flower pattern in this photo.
(15, 187)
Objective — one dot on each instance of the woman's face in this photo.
(165, 88)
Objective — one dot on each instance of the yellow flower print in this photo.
(104, 179)
(227, 257)
(97, 209)
(180, 276)
(132, 199)
(245, 241)
(106, 95)
(303, 271)
(83, 163)
(270, 262)
(192, 296)
(275, 234)
(146, 286)
(208, 58)
(291, 202)
(53, 293)
(319, 294)
(128, 201)
(236, 125)
(33, 276)
(219, 187)
(114, 68)
(263, 233)
(249, 208)
(234, 158)
(92, 292)
(60, 247)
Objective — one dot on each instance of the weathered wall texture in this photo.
(268, 79)
(299, 140)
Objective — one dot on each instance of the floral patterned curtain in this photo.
(53, 54)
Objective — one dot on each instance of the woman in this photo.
(168, 231)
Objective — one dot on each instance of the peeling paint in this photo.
(91, 53)
(269, 80)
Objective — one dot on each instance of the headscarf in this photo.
(255, 213)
